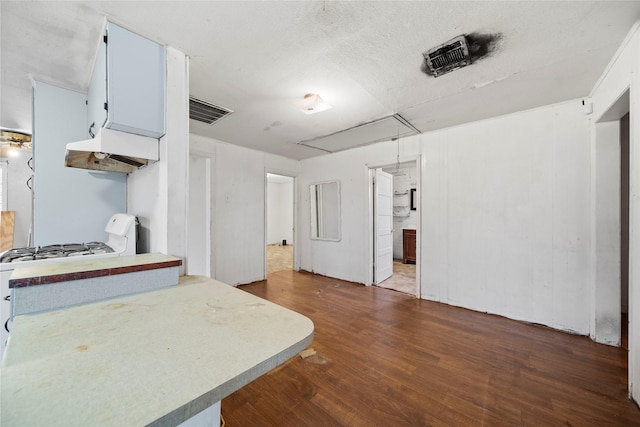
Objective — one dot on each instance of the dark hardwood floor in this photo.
(388, 359)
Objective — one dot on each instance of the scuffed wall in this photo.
(504, 222)
(621, 76)
(239, 206)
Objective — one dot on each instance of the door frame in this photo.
(210, 207)
(296, 257)
(370, 171)
(605, 262)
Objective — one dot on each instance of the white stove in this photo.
(122, 241)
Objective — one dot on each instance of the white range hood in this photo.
(112, 151)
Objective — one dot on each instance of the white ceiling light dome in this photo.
(312, 103)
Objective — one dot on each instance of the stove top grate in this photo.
(34, 253)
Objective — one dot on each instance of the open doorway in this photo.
(279, 220)
(404, 224)
(624, 230)
(612, 164)
(199, 230)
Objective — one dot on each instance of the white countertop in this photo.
(155, 358)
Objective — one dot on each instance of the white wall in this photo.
(71, 205)
(238, 231)
(622, 75)
(505, 226)
(19, 196)
(348, 258)
(280, 212)
(504, 223)
(158, 194)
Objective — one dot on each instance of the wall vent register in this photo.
(206, 112)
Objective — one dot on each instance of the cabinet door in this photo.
(136, 69)
(409, 246)
(97, 96)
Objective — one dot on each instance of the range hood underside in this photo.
(112, 151)
(111, 163)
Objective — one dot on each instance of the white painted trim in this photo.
(634, 239)
(623, 91)
(615, 57)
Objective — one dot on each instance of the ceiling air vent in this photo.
(447, 57)
(206, 112)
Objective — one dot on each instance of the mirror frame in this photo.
(313, 218)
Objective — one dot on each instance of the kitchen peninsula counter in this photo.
(86, 268)
(155, 358)
(81, 280)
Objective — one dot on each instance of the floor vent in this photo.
(206, 112)
(448, 56)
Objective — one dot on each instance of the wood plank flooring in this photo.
(388, 359)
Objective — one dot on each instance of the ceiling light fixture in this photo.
(312, 103)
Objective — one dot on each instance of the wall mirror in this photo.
(324, 201)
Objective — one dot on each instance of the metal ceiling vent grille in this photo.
(206, 112)
(448, 56)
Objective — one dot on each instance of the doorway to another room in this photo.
(612, 163)
(279, 219)
(199, 259)
(624, 229)
(403, 220)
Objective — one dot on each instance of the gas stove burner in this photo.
(54, 251)
(74, 247)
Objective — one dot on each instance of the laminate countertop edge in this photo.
(156, 358)
(79, 269)
(206, 400)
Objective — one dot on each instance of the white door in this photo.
(383, 233)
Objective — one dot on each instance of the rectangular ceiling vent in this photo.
(384, 129)
(448, 56)
(206, 112)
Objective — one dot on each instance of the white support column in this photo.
(174, 150)
(158, 194)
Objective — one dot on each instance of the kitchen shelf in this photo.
(402, 216)
(400, 206)
(400, 193)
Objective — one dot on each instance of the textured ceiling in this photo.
(364, 58)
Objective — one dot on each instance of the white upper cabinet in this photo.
(128, 85)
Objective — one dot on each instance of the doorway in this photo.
(611, 165)
(404, 219)
(279, 223)
(624, 230)
(199, 229)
